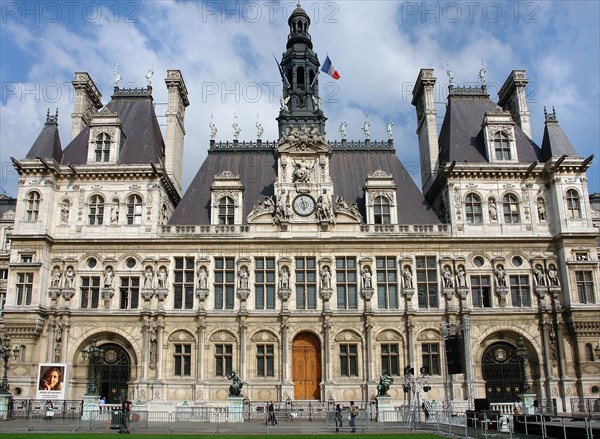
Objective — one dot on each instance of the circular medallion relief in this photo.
(110, 356)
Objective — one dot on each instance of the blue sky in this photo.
(224, 51)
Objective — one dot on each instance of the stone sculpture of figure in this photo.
(318, 102)
(243, 278)
(482, 73)
(448, 277)
(69, 277)
(388, 130)
(108, 277)
(302, 172)
(385, 381)
(236, 128)
(149, 75)
(539, 276)
(118, 76)
(343, 127)
(324, 209)
(325, 278)
(541, 207)
(213, 128)
(493, 210)
(259, 129)
(202, 278)
(283, 102)
(366, 278)
(407, 275)
(148, 278)
(114, 213)
(64, 212)
(461, 276)
(162, 277)
(553, 276)
(366, 128)
(284, 278)
(500, 276)
(235, 389)
(56, 277)
(450, 76)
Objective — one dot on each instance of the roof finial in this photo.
(213, 128)
(118, 77)
(149, 75)
(553, 113)
(545, 113)
(52, 120)
(388, 129)
(236, 128)
(482, 73)
(259, 128)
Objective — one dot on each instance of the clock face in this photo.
(304, 205)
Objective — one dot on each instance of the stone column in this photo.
(466, 324)
(368, 355)
(200, 329)
(145, 346)
(159, 347)
(243, 330)
(326, 350)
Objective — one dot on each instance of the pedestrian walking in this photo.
(338, 417)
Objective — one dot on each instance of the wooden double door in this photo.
(306, 361)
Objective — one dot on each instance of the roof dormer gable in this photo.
(106, 138)
(499, 136)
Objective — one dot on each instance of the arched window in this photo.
(589, 352)
(102, 147)
(473, 208)
(164, 214)
(300, 78)
(573, 204)
(381, 210)
(96, 215)
(134, 210)
(33, 206)
(226, 210)
(510, 206)
(502, 146)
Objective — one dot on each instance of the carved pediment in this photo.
(264, 336)
(181, 336)
(389, 335)
(303, 139)
(223, 336)
(346, 336)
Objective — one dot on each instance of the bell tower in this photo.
(300, 102)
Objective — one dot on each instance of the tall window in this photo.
(130, 292)
(2, 302)
(183, 283)
(501, 146)
(102, 147)
(24, 288)
(481, 291)
(387, 282)
(427, 282)
(182, 356)
(345, 269)
(431, 357)
(306, 283)
(519, 290)
(224, 283)
(223, 359)
(390, 359)
(510, 207)
(585, 286)
(473, 209)
(134, 210)
(264, 283)
(573, 204)
(96, 216)
(226, 210)
(589, 352)
(33, 206)
(349, 360)
(265, 360)
(90, 291)
(381, 210)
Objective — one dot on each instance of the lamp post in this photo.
(93, 353)
(5, 353)
(522, 353)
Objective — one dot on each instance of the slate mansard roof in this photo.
(349, 168)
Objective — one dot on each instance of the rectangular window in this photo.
(90, 291)
(427, 281)
(224, 283)
(183, 360)
(130, 292)
(390, 359)
(223, 359)
(3, 274)
(264, 283)
(346, 283)
(2, 302)
(349, 360)
(431, 357)
(24, 288)
(183, 283)
(481, 291)
(306, 283)
(585, 286)
(265, 360)
(519, 290)
(387, 283)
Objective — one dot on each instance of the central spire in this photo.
(300, 103)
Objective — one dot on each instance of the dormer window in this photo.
(502, 146)
(499, 134)
(226, 199)
(102, 147)
(134, 210)
(380, 193)
(473, 209)
(33, 206)
(381, 210)
(96, 215)
(510, 207)
(573, 204)
(226, 210)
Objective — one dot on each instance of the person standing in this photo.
(536, 406)
(518, 409)
(271, 412)
(353, 414)
(126, 411)
(338, 417)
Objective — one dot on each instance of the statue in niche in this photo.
(148, 278)
(540, 278)
(284, 278)
(541, 208)
(243, 278)
(162, 277)
(202, 278)
(114, 212)
(64, 212)
(302, 172)
(553, 276)
(492, 209)
(325, 278)
(461, 276)
(108, 277)
(500, 276)
(69, 277)
(448, 277)
(367, 278)
(56, 277)
(407, 275)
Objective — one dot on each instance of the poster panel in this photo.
(52, 381)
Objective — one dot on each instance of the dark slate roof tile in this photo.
(47, 144)
(555, 142)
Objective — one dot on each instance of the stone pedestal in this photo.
(235, 409)
(527, 399)
(4, 403)
(90, 404)
(385, 409)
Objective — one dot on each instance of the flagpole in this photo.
(318, 73)
(281, 71)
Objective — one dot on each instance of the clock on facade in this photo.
(304, 205)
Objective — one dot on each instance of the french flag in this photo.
(329, 69)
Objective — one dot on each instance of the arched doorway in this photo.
(306, 364)
(112, 370)
(501, 372)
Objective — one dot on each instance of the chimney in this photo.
(88, 100)
(426, 127)
(178, 100)
(513, 99)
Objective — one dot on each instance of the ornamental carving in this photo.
(302, 139)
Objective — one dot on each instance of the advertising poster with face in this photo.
(51, 381)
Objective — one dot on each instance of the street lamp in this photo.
(5, 353)
(522, 353)
(93, 353)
